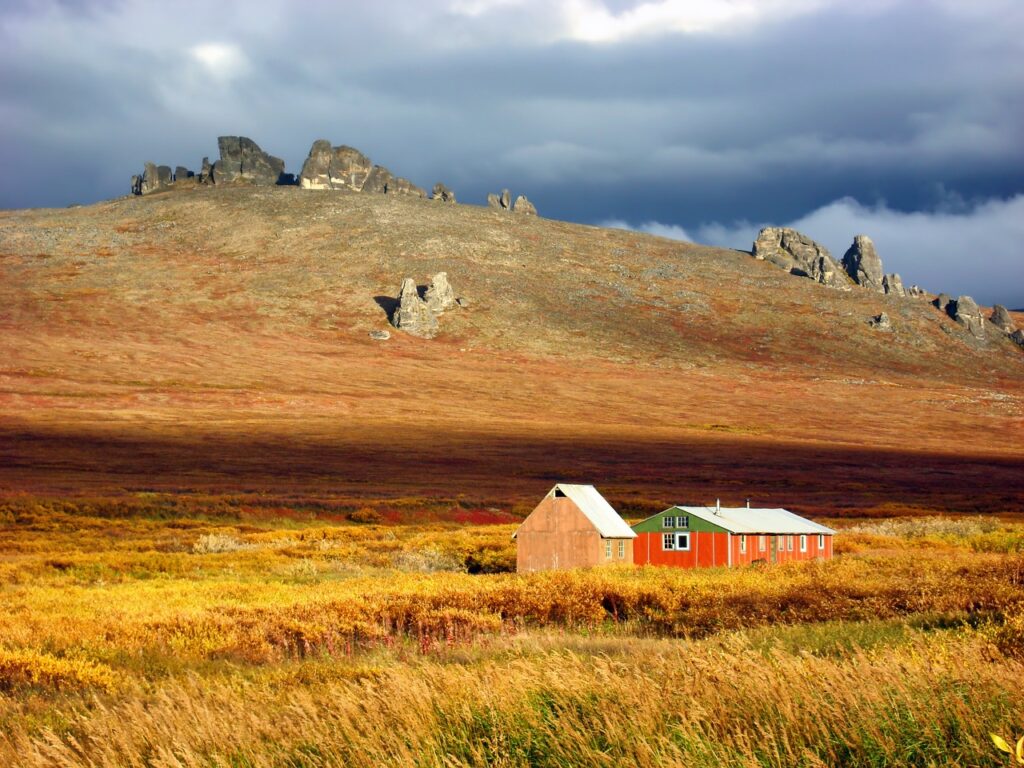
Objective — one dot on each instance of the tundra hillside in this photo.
(216, 340)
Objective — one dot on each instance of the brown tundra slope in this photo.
(216, 341)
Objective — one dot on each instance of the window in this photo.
(668, 542)
(789, 543)
(821, 541)
(803, 543)
(607, 549)
(622, 549)
(668, 522)
(683, 522)
(743, 542)
(683, 542)
(762, 543)
(781, 542)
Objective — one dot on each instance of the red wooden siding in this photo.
(711, 549)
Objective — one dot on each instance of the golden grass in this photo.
(138, 642)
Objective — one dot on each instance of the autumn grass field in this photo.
(247, 640)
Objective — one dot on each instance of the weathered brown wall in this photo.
(558, 535)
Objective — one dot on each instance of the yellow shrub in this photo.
(21, 668)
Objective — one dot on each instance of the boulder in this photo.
(493, 201)
(380, 335)
(1001, 319)
(1017, 337)
(341, 167)
(413, 315)
(524, 206)
(440, 295)
(241, 159)
(505, 199)
(916, 291)
(442, 193)
(136, 185)
(181, 173)
(206, 172)
(401, 186)
(893, 285)
(799, 255)
(863, 265)
(966, 313)
(881, 322)
(164, 174)
(942, 302)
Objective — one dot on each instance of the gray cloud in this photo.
(669, 111)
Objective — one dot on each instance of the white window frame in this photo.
(762, 543)
(789, 543)
(607, 549)
(670, 540)
(669, 521)
(821, 541)
(743, 543)
(622, 549)
(680, 539)
(683, 522)
(803, 542)
(781, 543)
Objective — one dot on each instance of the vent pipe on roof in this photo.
(748, 503)
(718, 506)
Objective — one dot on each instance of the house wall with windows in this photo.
(679, 537)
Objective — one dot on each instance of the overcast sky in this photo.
(700, 119)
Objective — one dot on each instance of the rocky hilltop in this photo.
(326, 168)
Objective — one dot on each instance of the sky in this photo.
(695, 119)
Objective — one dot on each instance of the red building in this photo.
(689, 537)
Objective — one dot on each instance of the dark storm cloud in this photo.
(597, 113)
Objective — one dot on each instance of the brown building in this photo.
(572, 527)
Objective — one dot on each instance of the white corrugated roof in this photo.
(745, 520)
(597, 510)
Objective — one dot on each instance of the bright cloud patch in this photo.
(223, 61)
(671, 231)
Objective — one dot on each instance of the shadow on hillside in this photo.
(388, 303)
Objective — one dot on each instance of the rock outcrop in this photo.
(413, 315)
(154, 178)
(942, 302)
(1001, 319)
(241, 159)
(443, 194)
(893, 285)
(136, 185)
(440, 295)
(345, 167)
(799, 255)
(502, 202)
(1017, 337)
(966, 313)
(522, 205)
(916, 291)
(863, 264)
(418, 316)
(181, 173)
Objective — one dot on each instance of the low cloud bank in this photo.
(959, 248)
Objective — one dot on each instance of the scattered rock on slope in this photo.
(942, 302)
(863, 264)
(1017, 337)
(1001, 319)
(799, 255)
(413, 315)
(881, 322)
(241, 159)
(893, 285)
(442, 193)
(522, 205)
(967, 313)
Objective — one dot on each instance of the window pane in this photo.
(682, 541)
(668, 522)
(668, 542)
